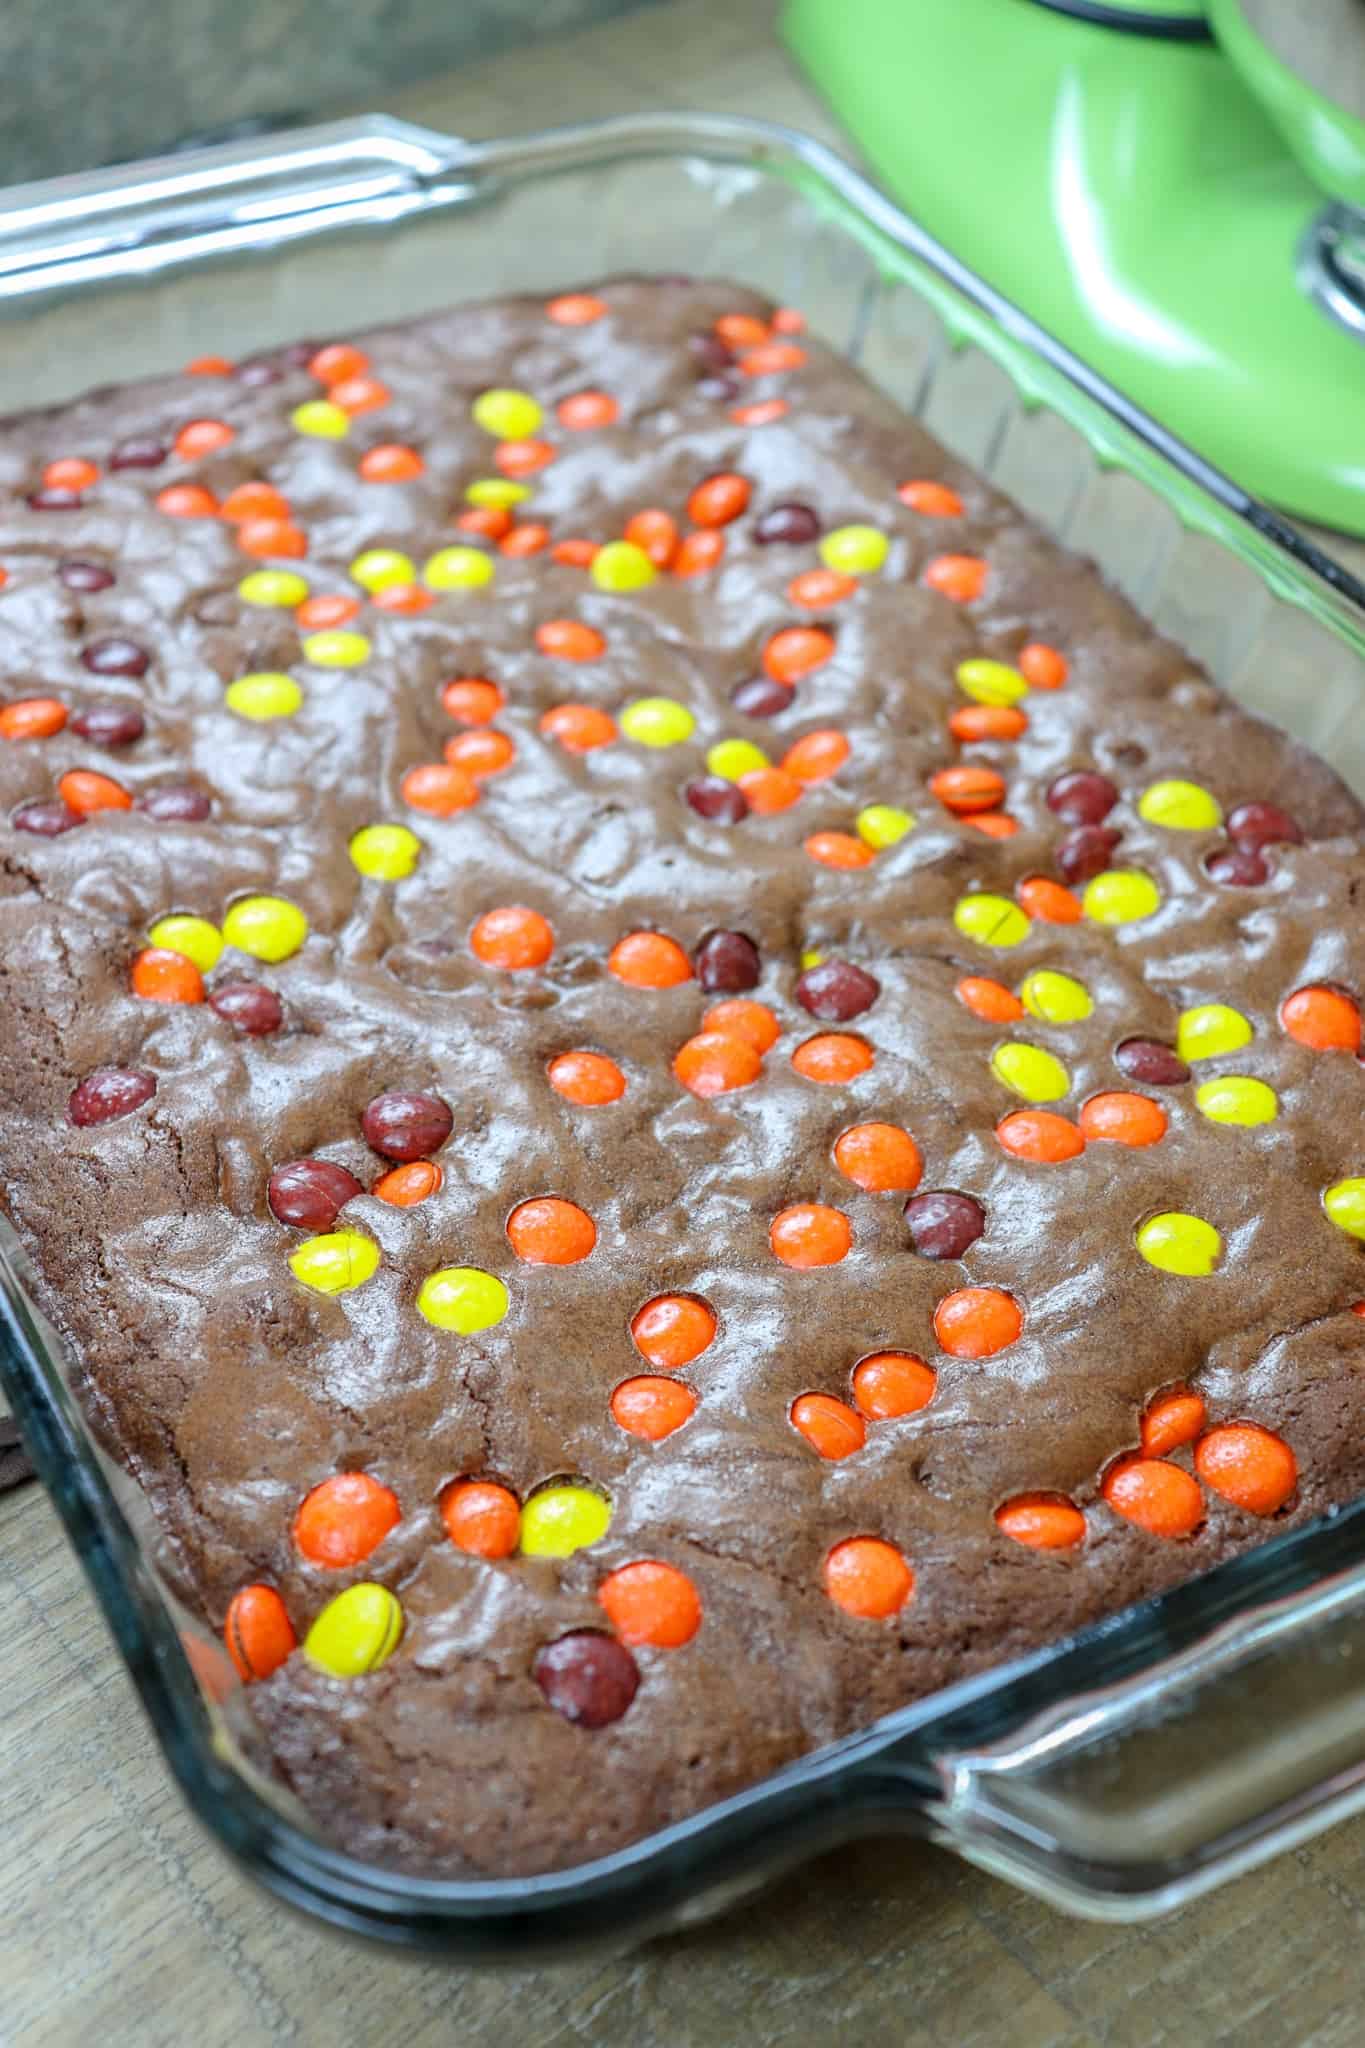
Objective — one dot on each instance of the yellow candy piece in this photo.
(335, 1262)
(1120, 896)
(267, 695)
(458, 569)
(1345, 1205)
(883, 824)
(1030, 1072)
(510, 415)
(1209, 1030)
(336, 649)
(991, 920)
(559, 1520)
(385, 852)
(812, 957)
(990, 682)
(732, 758)
(1237, 1099)
(463, 1299)
(194, 938)
(272, 586)
(318, 416)
(267, 927)
(496, 490)
(620, 565)
(1181, 806)
(854, 550)
(1178, 1243)
(356, 1632)
(382, 569)
(657, 722)
(1055, 998)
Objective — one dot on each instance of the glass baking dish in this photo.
(1119, 1773)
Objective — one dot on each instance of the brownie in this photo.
(854, 1312)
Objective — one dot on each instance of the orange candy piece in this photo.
(317, 613)
(808, 1234)
(1124, 1119)
(439, 789)
(1250, 1466)
(718, 499)
(839, 850)
(771, 358)
(524, 458)
(832, 1057)
(976, 1322)
(967, 787)
(548, 1231)
(741, 330)
(575, 309)
(1157, 1497)
(652, 1407)
(817, 755)
(254, 501)
(889, 1384)
(208, 366)
(656, 532)
(160, 976)
(959, 577)
(493, 522)
(868, 1578)
(587, 409)
(649, 960)
(797, 651)
(258, 1632)
(271, 537)
(392, 462)
(588, 1079)
(741, 1017)
(1039, 1135)
(972, 722)
(1049, 902)
(471, 700)
(337, 362)
(1042, 1521)
(484, 751)
(787, 320)
(70, 473)
(85, 791)
(813, 589)
(578, 727)
(993, 824)
(187, 501)
(403, 1187)
(570, 640)
(715, 1064)
(359, 394)
(673, 1329)
(574, 554)
(1043, 667)
(343, 1519)
(203, 437)
(699, 552)
(829, 1426)
(931, 500)
(989, 1000)
(402, 597)
(481, 1518)
(651, 1604)
(32, 718)
(512, 937)
(881, 1159)
(1172, 1420)
(1325, 1019)
(771, 790)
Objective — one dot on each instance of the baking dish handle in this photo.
(1127, 1801)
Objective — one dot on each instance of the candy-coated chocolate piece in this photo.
(548, 1231)
(1180, 806)
(808, 1235)
(868, 1578)
(1176, 1242)
(854, 550)
(1121, 896)
(1344, 1202)
(832, 1058)
(343, 1519)
(87, 577)
(818, 755)
(889, 1384)
(1032, 1072)
(571, 640)
(1237, 1099)
(391, 463)
(1086, 852)
(578, 728)
(116, 657)
(335, 362)
(1256, 825)
(273, 587)
(109, 1093)
(457, 569)
(883, 825)
(439, 788)
(336, 649)
(404, 1187)
(830, 1427)
(1326, 1019)
(1249, 1466)
(32, 718)
(621, 565)
(944, 1224)
(657, 722)
(989, 1000)
(710, 796)
(187, 501)
(198, 438)
(264, 695)
(1041, 1136)
(385, 853)
(1209, 1030)
(471, 700)
(1171, 1420)
(381, 568)
(406, 1126)
(331, 608)
(1082, 796)
(790, 524)
(336, 1261)
(587, 1677)
(496, 491)
(673, 1329)
(54, 500)
(140, 451)
(558, 1520)
(967, 788)
(990, 682)
(770, 790)
(973, 722)
(575, 309)
(976, 1322)
(1044, 667)
(463, 1299)
(509, 415)
(176, 802)
(879, 1158)
(481, 1518)
(1041, 1521)
(87, 792)
(718, 499)
(356, 1632)
(1237, 867)
(730, 759)
(513, 938)
(321, 419)
(267, 927)
(837, 990)
(727, 962)
(258, 1632)
(931, 500)
(1120, 1118)
(651, 1407)
(1153, 1064)
(109, 725)
(991, 920)
(961, 578)
(588, 1079)
(1156, 1496)
(651, 1603)
(195, 937)
(1055, 998)
(762, 697)
(248, 1007)
(649, 960)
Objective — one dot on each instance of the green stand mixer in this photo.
(1175, 191)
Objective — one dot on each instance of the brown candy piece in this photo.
(588, 1677)
(404, 1127)
(311, 1193)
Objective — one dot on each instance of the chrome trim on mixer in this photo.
(1330, 265)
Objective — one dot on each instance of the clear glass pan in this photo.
(1117, 1774)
